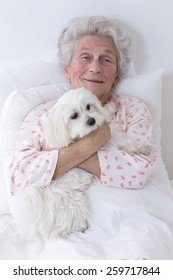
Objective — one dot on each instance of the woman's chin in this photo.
(96, 89)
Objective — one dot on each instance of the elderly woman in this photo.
(95, 54)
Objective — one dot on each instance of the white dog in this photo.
(62, 207)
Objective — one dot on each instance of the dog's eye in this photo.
(88, 107)
(74, 116)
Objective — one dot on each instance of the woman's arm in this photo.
(83, 153)
(92, 165)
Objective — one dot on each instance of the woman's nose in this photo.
(95, 67)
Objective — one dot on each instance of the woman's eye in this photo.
(74, 116)
(88, 107)
(85, 57)
(107, 60)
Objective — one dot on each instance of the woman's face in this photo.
(94, 66)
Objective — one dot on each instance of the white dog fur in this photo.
(62, 207)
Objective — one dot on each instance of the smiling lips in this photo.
(94, 81)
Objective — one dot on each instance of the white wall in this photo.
(29, 30)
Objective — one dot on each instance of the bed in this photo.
(123, 224)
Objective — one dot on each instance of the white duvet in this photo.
(123, 224)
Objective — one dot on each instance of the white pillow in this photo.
(31, 74)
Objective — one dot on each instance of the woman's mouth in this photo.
(94, 81)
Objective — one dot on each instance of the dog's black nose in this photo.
(91, 121)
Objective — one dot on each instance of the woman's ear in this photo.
(67, 72)
(116, 81)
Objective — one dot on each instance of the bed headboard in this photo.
(29, 31)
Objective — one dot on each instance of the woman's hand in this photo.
(98, 138)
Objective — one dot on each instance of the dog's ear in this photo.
(108, 110)
(55, 130)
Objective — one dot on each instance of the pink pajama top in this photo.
(32, 165)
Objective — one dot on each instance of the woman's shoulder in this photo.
(127, 101)
(130, 104)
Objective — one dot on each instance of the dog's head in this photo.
(76, 114)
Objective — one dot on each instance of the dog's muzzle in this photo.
(91, 121)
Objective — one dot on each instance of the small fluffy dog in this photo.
(62, 207)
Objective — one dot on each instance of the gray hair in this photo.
(96, 26)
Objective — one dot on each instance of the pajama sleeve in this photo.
(31, 164)
(118, 168)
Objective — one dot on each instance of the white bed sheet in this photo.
(123, 224)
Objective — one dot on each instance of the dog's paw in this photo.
(56, 233)
(132, 148)
(145, 148)
(84, 227)
(129, 148)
